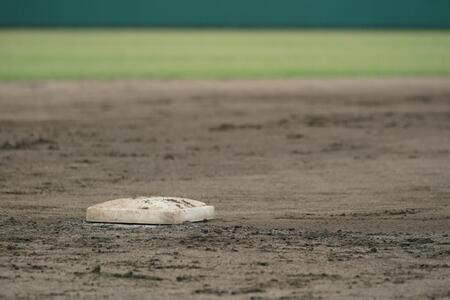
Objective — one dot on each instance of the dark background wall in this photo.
(228, 13)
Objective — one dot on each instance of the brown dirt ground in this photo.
(333, 189)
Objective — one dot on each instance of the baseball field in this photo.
(325, 153)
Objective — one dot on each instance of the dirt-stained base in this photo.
(325, 189)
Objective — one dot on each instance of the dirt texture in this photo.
(325, 189)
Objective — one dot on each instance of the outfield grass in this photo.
(109, 54)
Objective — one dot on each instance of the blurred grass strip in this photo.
(168, 54)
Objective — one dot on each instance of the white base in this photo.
(150, 210)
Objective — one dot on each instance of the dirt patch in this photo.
(332, 189)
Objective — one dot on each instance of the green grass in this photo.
(110, 54)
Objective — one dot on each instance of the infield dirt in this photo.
(333, 189)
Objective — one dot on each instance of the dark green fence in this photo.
(228, 13)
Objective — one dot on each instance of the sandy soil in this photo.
(333, 189)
